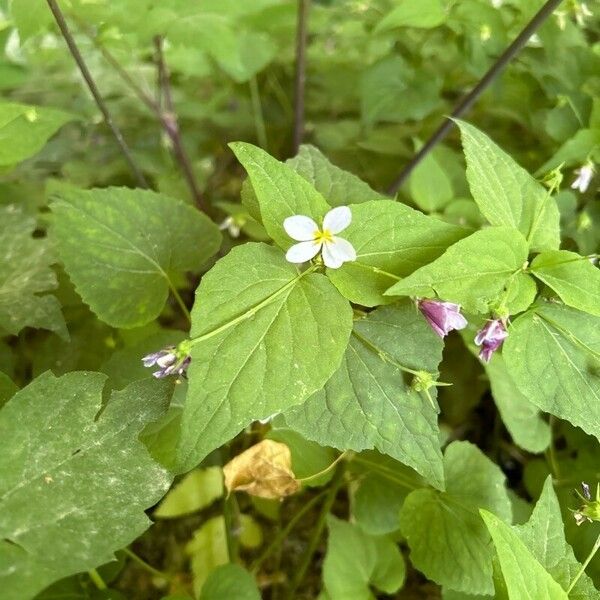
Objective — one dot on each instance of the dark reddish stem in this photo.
(300, 79)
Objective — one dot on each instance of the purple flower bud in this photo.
(490, 337)
(442, 316)
(169, 360)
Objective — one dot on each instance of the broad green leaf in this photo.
(25, 129)
(368, 403)
(338, 187)
(208, 547)
(391, 241)
(197, 490)
(429, 185)
(52, 440)
(553, 356)
(30, 17)
(280, 191)
(267, 336)
(506, 194)
(7, 388)
(522, 418)
(426, 14)
(448, 541)
(474, 271)
(573, 277)
(228, 582)
(25, 273)
(525, 577)
(135, 240)
(356, 560)
(544, 537)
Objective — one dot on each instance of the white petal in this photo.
(300, 228)
(302, 252)
(336, 253)
(337, 219)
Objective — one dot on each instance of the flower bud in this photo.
(442, 316)
(490, 337)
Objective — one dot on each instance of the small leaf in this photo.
(25, 129)
(228, 582)
(426, 14)
(449, 521)
(525, 578)
(356, 560)
(263, 470)
(136, 241)
(574, 278)
(429, 185)
(197, 490)
(25, 273)
(391, 241)
(280, 191)
(553, 355)
(368, 404)
(474, 272)
(268, 338)
(50, 441)
(506, 194)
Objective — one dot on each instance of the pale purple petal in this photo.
(490, 337)
(337, 219)
(301, 228)
(302, 252)
(442, 316)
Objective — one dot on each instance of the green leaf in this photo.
(448, 541)
(525, 578)
(25, 273)
(553, 355)
(573, 277)
(7, 388)
(544, 537)
(522, 418)
(280, 191)
(473, 272)
(229, 581)
(506, 194)
(368, 404)
(391, 241)
(426, 14)
(25, 129)
(30, 17)
(267, 338)
(338, 187)
(355, 561)
(574, 151)
(197, 490)
(135, 240)
(429, 186)
(50, 442)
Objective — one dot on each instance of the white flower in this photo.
(584, 177)
(335, 250)
(232, 227)
(582, 12)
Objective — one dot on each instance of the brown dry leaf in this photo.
(263, 470)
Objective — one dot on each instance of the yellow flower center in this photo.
(323, 236)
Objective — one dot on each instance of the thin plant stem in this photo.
(300, 76)
(140, 561)
(168, 118)
(257, 111)
(97, 579)
(467, 102)
(326, 469)
(552, 451)
(282, 535)
(588, 560)
(181, 303)
(93, 88)
(229, 516)
(332, 492)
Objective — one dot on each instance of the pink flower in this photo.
(442, 316)
(490, 337)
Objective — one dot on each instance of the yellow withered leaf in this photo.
(263, 470)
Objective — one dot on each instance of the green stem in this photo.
(326, 470)
(336, 483)
(585, 564)
(179, 299)
(384, 355)
(552, 451)
(98, 581)
(229, 510)
(282, 535)
(257, 111)
(386, 472)
(147, 567)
